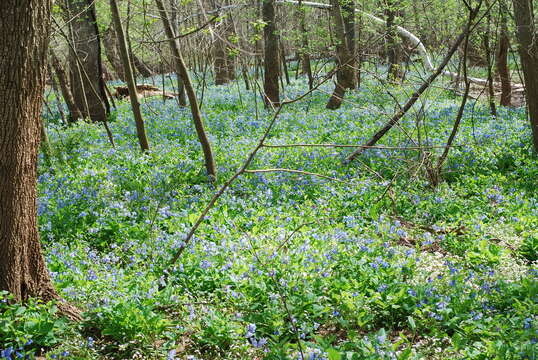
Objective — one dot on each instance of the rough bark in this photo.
(87, 83)
(181, 71)
(135, 104)
(74, 112)
(528, 52)
(271, 60)
(24, 30)
(502, 59)
(345, 75)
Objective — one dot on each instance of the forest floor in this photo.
(379, 265)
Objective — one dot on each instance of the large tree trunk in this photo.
(87, 81)
(345, 75)
(181, 71)
(502, 58)
(24, 32)
(271, 60)
(131, 84)
(528, 52)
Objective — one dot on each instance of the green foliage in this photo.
(355, 271)
(30, 327)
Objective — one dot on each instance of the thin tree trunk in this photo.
(131, 84)
(528, 52)
(110, 42)
(348, 8)
(57, 95)
(394, 72)
(345, 75)
(24, 30)
(304, 56)
(416, 95)
(502, 58)
(74, 112)
(487, 48)
(182, 72)
(271, 67)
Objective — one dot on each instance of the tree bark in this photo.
(348, 8)
(502, 58)
(110, 42)
(394, 71)
(131, 84)
(87, 83)
(489, 63)
(528, 52)
(24, 30)
(181, 71)
(271, 60)
(304, 55)
(345, 75)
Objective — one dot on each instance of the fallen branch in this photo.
(412, 38)
(294, 172)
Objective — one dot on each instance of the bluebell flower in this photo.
(171, 355)
(251, 330)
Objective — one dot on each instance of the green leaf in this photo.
(333, 354)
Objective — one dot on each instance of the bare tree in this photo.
(181, 71)
(131, 84)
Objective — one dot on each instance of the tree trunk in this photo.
(528, 52)
(24, 30)
(85, 62)
(110, 42)
(230, 57)
(181, 71)
(131, 84)
(489, 63)
(74, 112)
(345, 75)
(502, 59)
(219, 63)
(271, 61)
(348, 8)
(394, 71)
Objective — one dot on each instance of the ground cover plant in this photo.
(377, 265)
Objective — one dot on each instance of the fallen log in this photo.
(143, 91)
